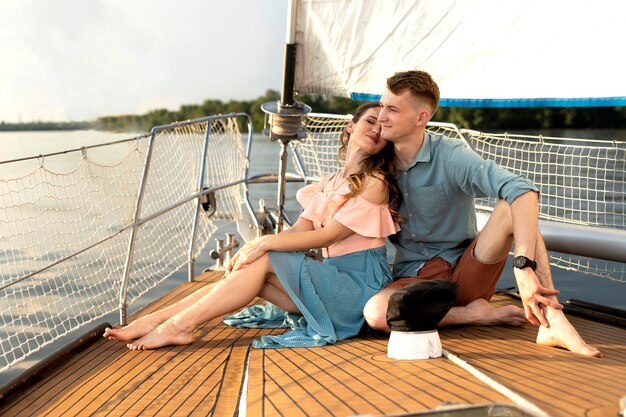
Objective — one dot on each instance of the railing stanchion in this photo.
(133, 233)
(194, 230)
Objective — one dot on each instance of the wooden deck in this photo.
(352, 377)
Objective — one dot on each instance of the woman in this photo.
(348, 214)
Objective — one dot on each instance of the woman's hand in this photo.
(248, 253)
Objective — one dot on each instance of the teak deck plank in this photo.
(351, 377)
(557, 381)
(343, 380)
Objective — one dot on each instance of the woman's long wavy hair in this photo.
(382, 163)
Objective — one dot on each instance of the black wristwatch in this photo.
(522, 262)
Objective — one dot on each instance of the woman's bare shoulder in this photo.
(375, 189)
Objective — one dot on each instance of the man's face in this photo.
(400, 116)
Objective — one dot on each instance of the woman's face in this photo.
(365, 134)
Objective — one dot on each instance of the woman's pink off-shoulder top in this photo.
(371, 222)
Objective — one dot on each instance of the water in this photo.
(15, 145)
(265, 153)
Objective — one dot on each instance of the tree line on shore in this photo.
(484, 119)
(30, 126)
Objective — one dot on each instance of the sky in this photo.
(73, 60)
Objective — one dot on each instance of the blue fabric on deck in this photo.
(265, 316)
(330, 294)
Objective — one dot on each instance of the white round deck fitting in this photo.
(414, 345)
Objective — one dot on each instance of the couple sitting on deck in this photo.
(394, 172)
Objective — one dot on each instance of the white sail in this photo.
(482, 53)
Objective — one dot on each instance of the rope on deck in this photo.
(243, 398)
(516, 398)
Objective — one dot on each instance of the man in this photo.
(439, 179)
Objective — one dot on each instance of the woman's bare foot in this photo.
(168, 333)
(562, 334)
(481, 313)
(134, 330)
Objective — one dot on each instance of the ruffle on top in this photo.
(367, 219)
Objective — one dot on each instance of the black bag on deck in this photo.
(421, 306)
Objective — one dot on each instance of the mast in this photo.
(289, 65)
(285, 117)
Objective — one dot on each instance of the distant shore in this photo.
(38, 126)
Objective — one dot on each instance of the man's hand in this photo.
(534, 296)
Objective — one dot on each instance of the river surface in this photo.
(14, 145)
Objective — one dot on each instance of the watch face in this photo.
(520, 261)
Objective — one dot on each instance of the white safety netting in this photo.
(582, 182)
(316, 156)
(64, 235)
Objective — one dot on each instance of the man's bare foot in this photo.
(481, 313)
(134, 330)
(562, 334)
(168, 333)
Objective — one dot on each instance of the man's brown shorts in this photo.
(475, 279)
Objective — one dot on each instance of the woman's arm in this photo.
(293, 242)
(331, 233)
(301, 225)
(374, 189)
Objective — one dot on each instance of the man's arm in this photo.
(534, 292)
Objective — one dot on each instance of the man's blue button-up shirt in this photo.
(438, 192)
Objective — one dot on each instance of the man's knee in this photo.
(375, 311)
(496, 237)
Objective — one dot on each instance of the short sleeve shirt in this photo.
(438, 192)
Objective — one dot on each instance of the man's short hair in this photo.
(420, 84)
